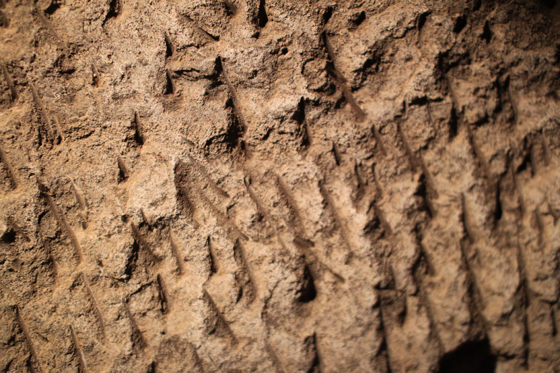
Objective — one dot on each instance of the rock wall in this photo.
(279, 186)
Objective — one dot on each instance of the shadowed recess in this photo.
(469, 357)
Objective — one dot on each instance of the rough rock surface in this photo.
(279, 186)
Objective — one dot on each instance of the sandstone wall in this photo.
(279, 186)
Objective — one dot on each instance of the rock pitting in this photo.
(279, 186)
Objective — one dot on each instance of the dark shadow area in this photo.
(460, 24)
(53, 7)
(262, 16)
(9, 236)
(486, 33)
(469, 357)
(548, 3)
(307, 292)
(114, 10)
(169, 86)
(328, 14)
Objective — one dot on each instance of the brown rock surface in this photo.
(279, 186)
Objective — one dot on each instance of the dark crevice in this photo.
(53, 7)
(525, 163)
(138, 130)
(336, 154)
(132, 260)
(114, 10)
(383, 351)
(374, 229)
(370, 62)
(498, 212)
(262, 16)
(299, 113)
(29, 364)
(422, 21)
(9, 236)
(482, 121)
(316, 363)
(214, 78)
(315, 368)
(212, 257)
(4, 20)
(453, 123)
(231, 8)
(420, 101)
(137, 339)
(163, 296)
(267, 134)
(476, 5)
(299, 117)
(244, 148)
(235, 129)
(394, 301)
(239, 292)
(361, 18)
(469, 357)
(357, 19)
(184, 201)
(169, 85)
(340, 102)
(422, 192)
(442, 66)
(218, 67)
(143, 244)
(123, 171)
(184, 193)
(328, 14)
(307, 291)
(460, 24)
(557, 55)
(486, 33)
(447, 60)
(168, 46)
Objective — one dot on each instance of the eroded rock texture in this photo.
(279, 186)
